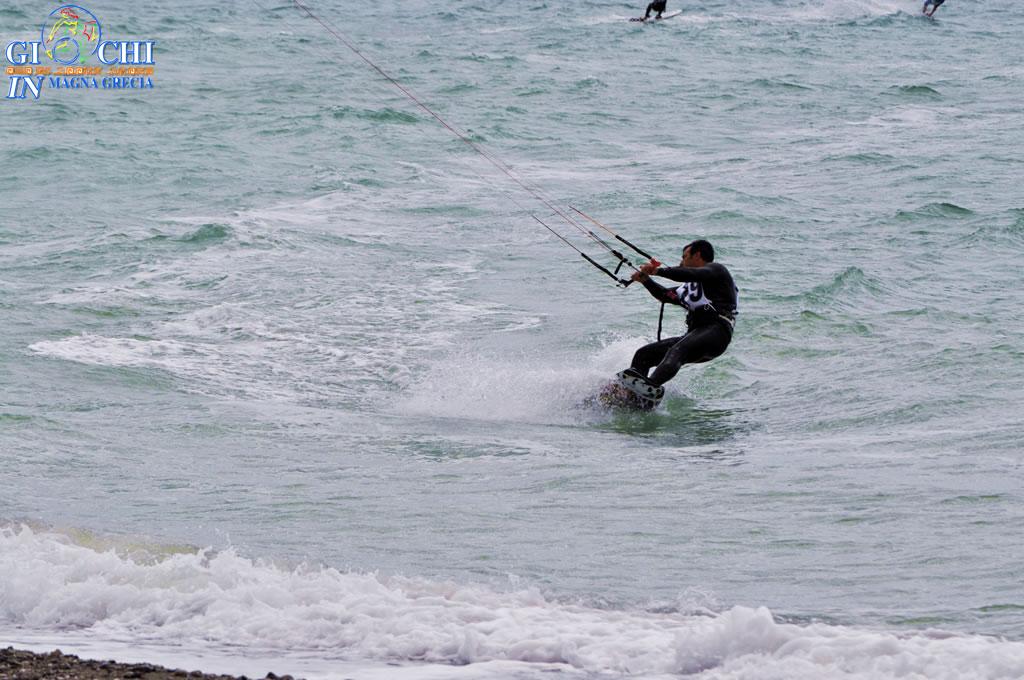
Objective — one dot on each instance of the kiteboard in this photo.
(662, 18)
(630, 390)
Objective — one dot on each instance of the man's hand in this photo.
(645, 270)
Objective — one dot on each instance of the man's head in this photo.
(698, 254)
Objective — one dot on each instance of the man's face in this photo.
(691, 259)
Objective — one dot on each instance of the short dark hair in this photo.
(706, 250)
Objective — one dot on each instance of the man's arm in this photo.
(683, 274)
(660, 292)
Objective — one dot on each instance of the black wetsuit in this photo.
(709, 295)
(656, 6)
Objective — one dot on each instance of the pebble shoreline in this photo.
(17, 664)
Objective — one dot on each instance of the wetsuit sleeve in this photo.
(660, 292)
(683, 274)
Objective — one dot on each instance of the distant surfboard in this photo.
(648, 20)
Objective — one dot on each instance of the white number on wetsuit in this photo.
(691, 295)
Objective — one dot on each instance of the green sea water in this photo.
(273, 305)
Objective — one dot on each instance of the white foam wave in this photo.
(47, 581)
(903, 116)
(201, 364)
(223, 320)
(839, 10)
(98, 350)
(515, 388)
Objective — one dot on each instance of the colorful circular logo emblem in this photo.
(70, 34)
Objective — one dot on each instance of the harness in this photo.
(727, 319)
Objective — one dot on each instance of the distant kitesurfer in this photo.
(935, 4)
(709, 295)
(656, 6)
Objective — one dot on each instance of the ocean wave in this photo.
(457, 88)
(207, 233)
(867, 157)
(776, 84)
(1005, 229)
(507, 59)
(850, 286)
(588, 84)
(385, 115)
(933, 210)
(51, 581)
(915, 92)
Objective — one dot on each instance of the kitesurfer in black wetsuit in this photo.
(709, 295)
(656, 6)
(935, 5)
